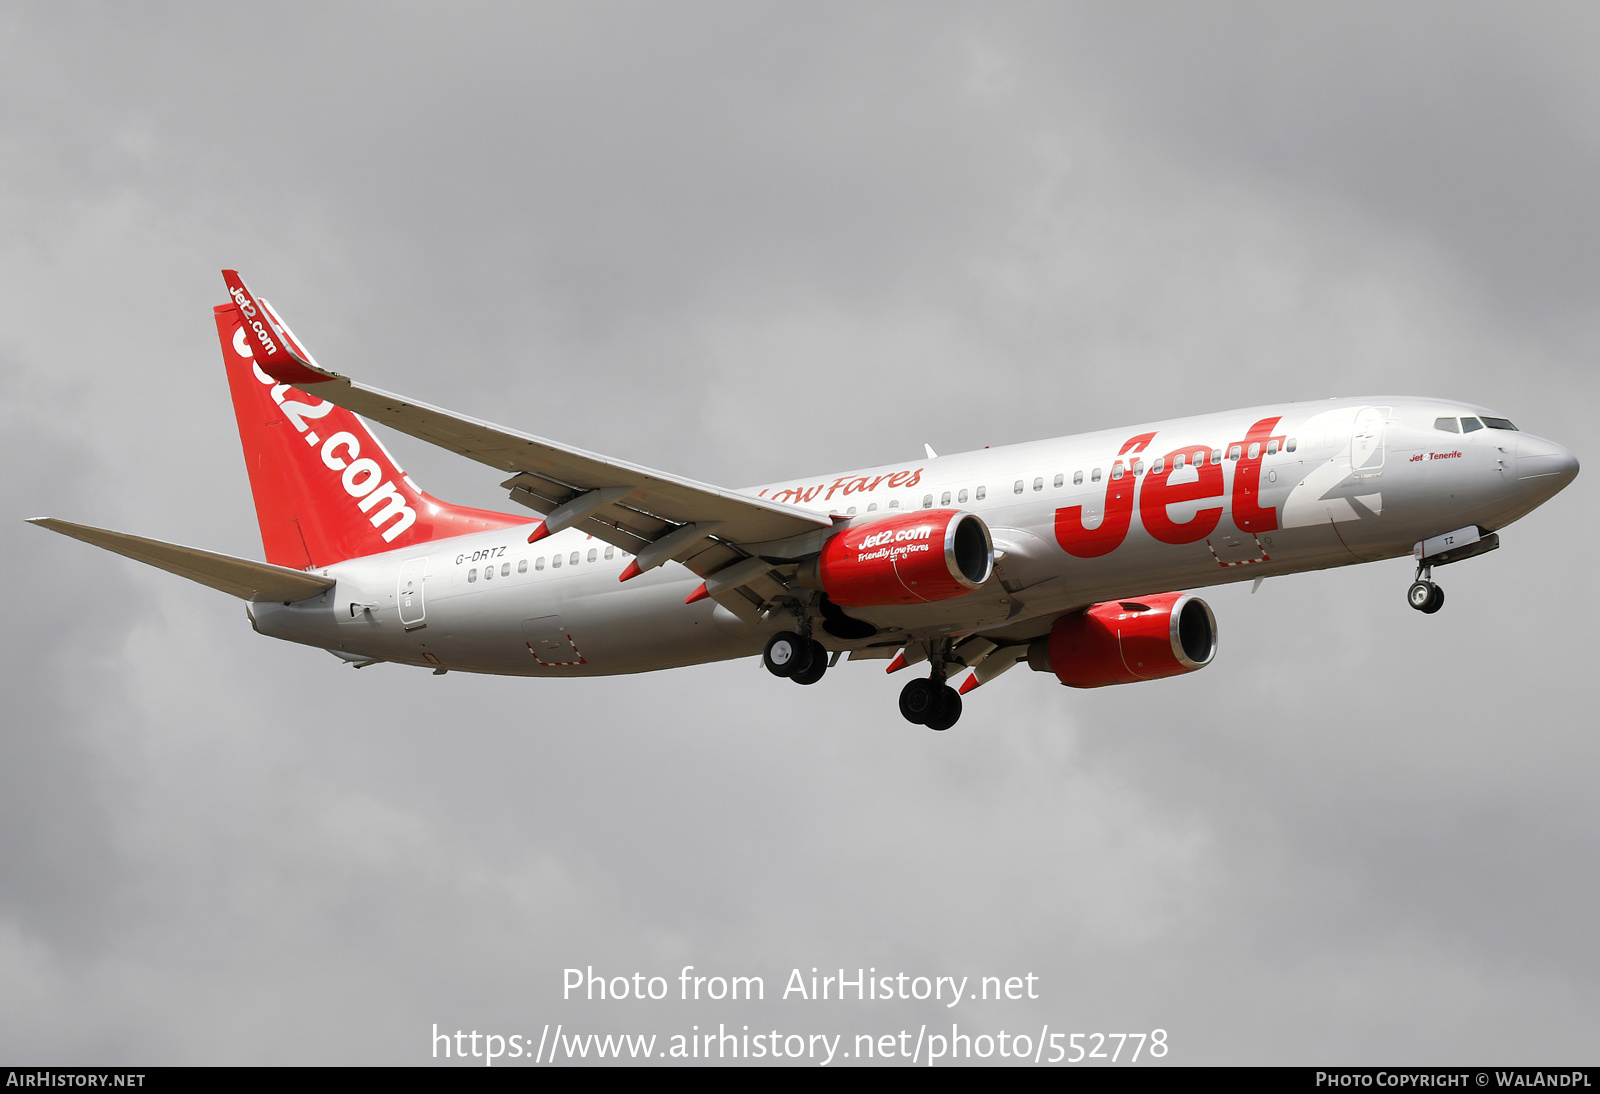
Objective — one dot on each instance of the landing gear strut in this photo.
(931, 703)
(1424, 595)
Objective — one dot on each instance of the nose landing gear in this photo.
(1424, 595)
(931, 703)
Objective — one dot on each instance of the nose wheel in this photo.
(931, 703)
(1425, 596)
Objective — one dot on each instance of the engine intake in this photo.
(1124, 641)
(909, 558)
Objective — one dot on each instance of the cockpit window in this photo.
(1498, 423)
(1470, 424)
(1449, 425)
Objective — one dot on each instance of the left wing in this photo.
(652, 514)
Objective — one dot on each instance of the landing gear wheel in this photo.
(919, 701)
(787, 654)
(812, 672)
(949, 709)
(931, 703)
(1425, 596)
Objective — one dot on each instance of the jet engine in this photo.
(909, 558)
(1123, 641)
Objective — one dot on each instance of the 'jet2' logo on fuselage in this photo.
(1157, 493)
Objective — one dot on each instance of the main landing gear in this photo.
(795, 657)
(931, 702)
(1424, 595)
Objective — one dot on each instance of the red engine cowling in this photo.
(1123, 641)
(909, 558)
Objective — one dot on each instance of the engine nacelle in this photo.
(914, 557)
(1124, 641)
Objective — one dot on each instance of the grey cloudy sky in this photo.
(743, 241)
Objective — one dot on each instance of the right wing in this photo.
(240, 577)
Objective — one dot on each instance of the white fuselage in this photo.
(1366, 479)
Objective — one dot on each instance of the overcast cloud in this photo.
(739, 242)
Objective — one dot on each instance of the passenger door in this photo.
(409, 593)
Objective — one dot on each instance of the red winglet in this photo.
(539, 532)
(272, 352)
(699, 594)
(968, 684)
(898, 663)
(632, 571)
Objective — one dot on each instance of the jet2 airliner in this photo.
(1065, 555)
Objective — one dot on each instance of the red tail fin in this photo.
(325, 488)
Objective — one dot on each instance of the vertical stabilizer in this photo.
(325, 489)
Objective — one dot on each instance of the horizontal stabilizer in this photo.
(260, 581)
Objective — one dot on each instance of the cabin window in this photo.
(522, 565)
(1272, 448)
(894, 503)
(505, 569)
(538, 563)
(488, 572)
(962, 496)
(1235, 452)
(871, 505)
(1499, 423)
(944, 498)
(1255, 449)
(611, 552)
(472, 574)
(983, 492)
(1216, 455)
(1096, 476)
(555, 562)
(1291, 445)
(574, 559)
(1017, 489)
(1470, 424)
(1116, 470)
(850, 512)
(594, 553)
(1060, 481)
(1077, 478)
(1155, 468)
(1177, 461)
(927, 501)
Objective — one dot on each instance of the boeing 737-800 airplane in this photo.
(1062, 554)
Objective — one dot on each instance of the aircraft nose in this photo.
(1544, 468)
